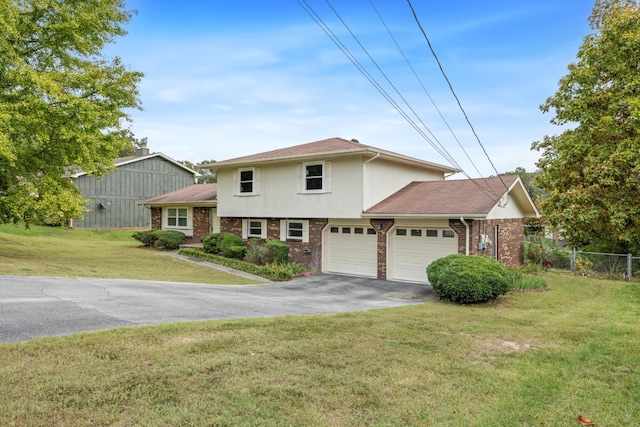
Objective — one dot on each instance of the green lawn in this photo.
(529, 359)
(55, 251)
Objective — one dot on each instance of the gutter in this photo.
(364, 176)
(466, 225)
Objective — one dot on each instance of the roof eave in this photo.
(207, 203)
(425, 216)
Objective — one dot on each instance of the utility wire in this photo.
(423, 87)
(415, 16)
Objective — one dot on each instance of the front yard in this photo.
(528, 359)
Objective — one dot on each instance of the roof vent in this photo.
(355, 140)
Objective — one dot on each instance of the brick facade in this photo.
(382, 227)
(506, 236)
(201, 222)
(156, 218)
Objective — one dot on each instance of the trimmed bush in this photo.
(218, 243)
(435, 269)
(166, 239)
(236, 252)
(267, 251)
(472, 279)
(275, 272)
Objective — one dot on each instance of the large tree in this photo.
(591, 171)
(62, 102)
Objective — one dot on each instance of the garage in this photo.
(351, 249)
(412, 248)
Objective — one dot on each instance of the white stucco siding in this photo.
(279, 194)
(382, 178)
(510, 209)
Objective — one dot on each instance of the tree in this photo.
(206, 176)
(528, 179)
(62, 103)
(591, 172)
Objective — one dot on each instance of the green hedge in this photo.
(275, 272)
(267, 251)
(435, 269)
(471, 279)
(166, 239)
(221, 244)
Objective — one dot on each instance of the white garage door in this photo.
(351, 249)
(413, 248)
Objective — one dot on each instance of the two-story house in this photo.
(349, 208)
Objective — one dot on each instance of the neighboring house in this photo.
(191, 210)
(113, 198)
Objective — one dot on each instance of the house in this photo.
(191, 210)
(349, 208)
(113, 198)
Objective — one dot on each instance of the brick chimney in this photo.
(142, 150)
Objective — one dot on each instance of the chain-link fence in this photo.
(610, 266)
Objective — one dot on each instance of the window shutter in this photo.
(283, 230)
(328, 172)
(263, 229)
(256, 181)
(245, 229)
(305, 231)
(236, 185)
(300, 178)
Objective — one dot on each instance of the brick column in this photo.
(382, 227)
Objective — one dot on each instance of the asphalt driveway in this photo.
(32, 306)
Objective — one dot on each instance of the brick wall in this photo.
(382, 227)
(201, 224)
(156, 218)
(308, 254)
(506, 235)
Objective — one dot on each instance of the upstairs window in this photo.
(246, 181)
(177, 217)
(314, 177)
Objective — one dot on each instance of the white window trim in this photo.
(327, 171)
(304, 176)
(246, 226)
(284, 230)
(188, 230)
(255, 181)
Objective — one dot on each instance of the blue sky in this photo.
(230, 78)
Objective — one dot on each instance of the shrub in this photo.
(218, 243)
(518, 279)
(472, 279)
(237, 252)
(435, 269)
(275, 272)
(269, 251)
(167, 239)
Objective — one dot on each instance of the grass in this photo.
(114, 254)
(528, 359)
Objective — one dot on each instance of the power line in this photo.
(415, 16)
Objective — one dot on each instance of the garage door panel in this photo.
(349, 252)
(412, 252)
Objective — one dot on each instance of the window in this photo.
(334, 229)
(432, 233)
(358, 230)
(448, 233)
(177, 217)
(294, 230)
(371, 231)
(314, 177)
(346, 230)
(246, 181)
(255, 229)
(416, 233)
(401, 232)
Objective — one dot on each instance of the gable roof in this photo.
(121, 161)
(326, 147)
(201, 194)
(454, 198)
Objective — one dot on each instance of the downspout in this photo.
(364, 176)
(466, 240)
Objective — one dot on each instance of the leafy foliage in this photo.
(592, 172)
(275, 272)
(62, 104)
(267, 251)
(167, 239)
(435, 269)
(472, 279)
(221, 244)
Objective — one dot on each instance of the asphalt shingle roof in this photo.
(454, 197)
(191, 194)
